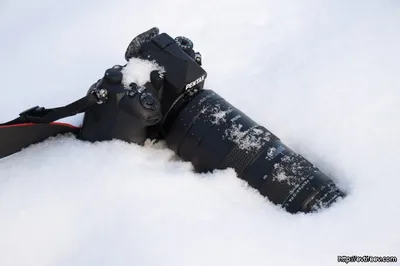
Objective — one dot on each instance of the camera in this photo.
(127, 112)
(202, 127)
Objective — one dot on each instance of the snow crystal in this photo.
(280, 173)
(294, 165)
(294, 171)
(138, 71)
(219, 117)
(271, 152)
(216, 113)
(250, 139)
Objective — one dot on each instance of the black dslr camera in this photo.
(201, 127)
(134, 113)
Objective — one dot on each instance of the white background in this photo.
(321, 75)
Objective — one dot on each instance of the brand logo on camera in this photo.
(196, 82)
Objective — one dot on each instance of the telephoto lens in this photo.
(203, 128)
(212, 134)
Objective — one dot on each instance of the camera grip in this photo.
(144, 106)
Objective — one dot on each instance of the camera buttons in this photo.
(147, 101)
(113, 76)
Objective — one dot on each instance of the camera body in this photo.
(126, 114)
(183, 74)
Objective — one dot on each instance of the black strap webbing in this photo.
(41, 115)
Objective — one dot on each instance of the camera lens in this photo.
(212, 134)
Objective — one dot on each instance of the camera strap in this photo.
(41, 115)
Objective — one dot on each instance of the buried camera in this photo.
(203, 128)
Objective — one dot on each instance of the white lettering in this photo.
(196, 82)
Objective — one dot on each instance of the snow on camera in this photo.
(138, 71)
(251, 139)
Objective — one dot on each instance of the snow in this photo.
(321, 75)
(249, 140)
(138, 71)
(216, 113)
(76, 120)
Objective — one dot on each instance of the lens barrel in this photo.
(212, 134)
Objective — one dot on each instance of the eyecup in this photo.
(137, 42)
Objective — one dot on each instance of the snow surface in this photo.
(321, 75)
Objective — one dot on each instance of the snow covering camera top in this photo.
(138, 71)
